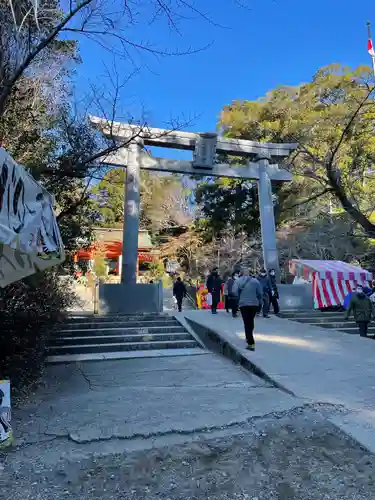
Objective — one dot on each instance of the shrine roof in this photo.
(108, 234)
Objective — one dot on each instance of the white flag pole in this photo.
(370, 42)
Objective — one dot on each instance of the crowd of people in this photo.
(254, 295)
(249, 294)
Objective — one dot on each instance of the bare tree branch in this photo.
(311, 198)
(8, 85)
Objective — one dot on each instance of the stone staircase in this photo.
(326, 319)
(88, 337)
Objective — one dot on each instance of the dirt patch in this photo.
(298, 457)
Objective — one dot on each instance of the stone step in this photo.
(115, 317)
(317, 322)
(117, 339)
(103, 356)
(118, 330)
(334, 323)
(91, 325)
(317, 319)
(354, 330)
(337, 325)
(312, 314)
(348, 325)
(120, 346)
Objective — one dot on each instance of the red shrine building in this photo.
(109, 241)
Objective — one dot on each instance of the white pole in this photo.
(370, 38)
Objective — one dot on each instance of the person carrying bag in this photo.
(250, 300)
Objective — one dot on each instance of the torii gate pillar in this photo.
(131, 215)
(267, 216)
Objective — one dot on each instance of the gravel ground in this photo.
(300, 456)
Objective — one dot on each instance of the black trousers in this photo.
(275, 304)
(233, 305)
(266, 304)
(179, 303)
(226, 303)
(248, 314)
(363, 327)
(215, 303)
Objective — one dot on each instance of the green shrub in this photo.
(29, 311)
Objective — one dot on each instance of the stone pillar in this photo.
(267, 216)
(131, 216)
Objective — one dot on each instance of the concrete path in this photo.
(192, 428)
(316, 364)
(99, 407)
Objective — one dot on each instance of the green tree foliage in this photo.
(332, 120)
(227, 203)
(108, 196)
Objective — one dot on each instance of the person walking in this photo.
(214, 284)
(232, 299)
(179, 292)
(226, 298)
(266, 291)
(250, 294)
(210, 278)
(274, 296)
(361, 307)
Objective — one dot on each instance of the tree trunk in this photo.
(347, 205)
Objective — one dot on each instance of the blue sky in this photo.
(271, 42)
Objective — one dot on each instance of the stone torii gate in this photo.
(262, 166)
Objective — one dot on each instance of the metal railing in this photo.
(93, 284)
(96, 296)
(192, 301)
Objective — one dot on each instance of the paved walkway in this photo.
(316, 364)
(99, 407)
(197, 426)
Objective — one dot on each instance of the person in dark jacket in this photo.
(274, 297)
(211, 278)
(226, 298)
(179, 291)
(265, 283)
(361, 307)
(214, 284)
(232, 297)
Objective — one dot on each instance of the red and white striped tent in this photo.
(331, 280)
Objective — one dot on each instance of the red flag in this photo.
(370, 48)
